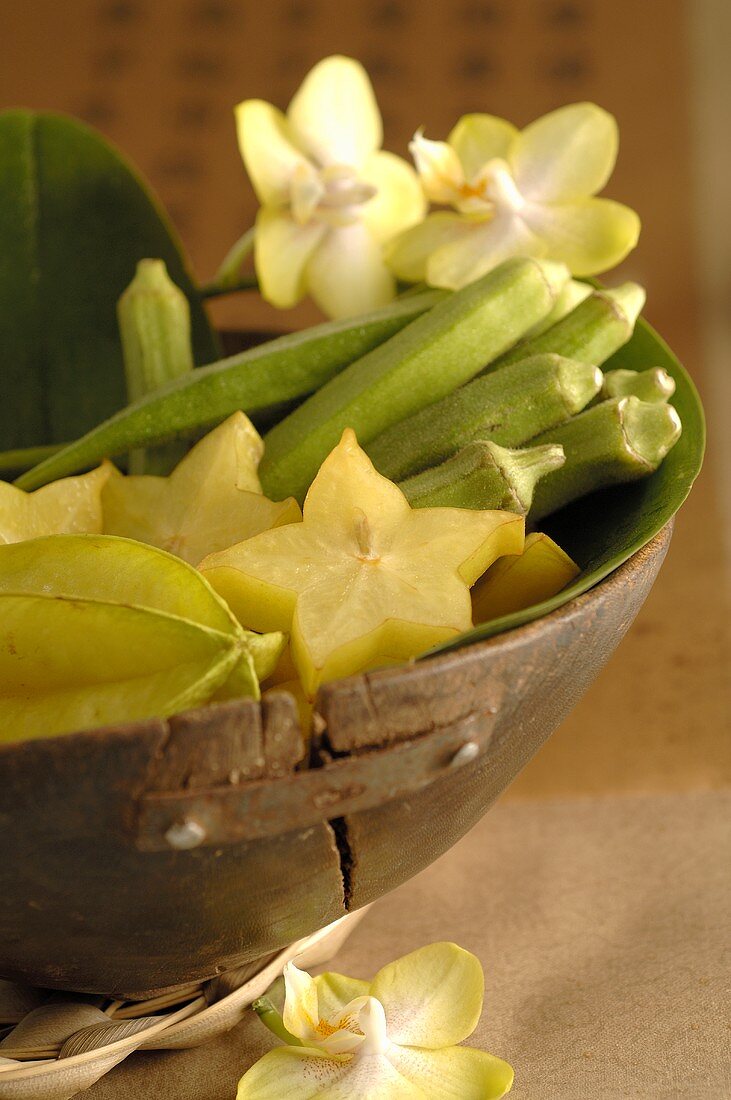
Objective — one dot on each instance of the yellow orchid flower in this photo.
(517, 193)
(330, 198)
(394, 1038)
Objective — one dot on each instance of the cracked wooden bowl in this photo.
(163, 852)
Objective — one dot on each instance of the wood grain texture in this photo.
(83, 906)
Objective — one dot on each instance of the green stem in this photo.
(483, 476)
(228, 278)
(269, 1016)
(16, 462)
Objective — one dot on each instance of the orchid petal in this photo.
(399, 200)
(432, 997)
(478, 138)
(589, 236)
(282, 249)
(335, 991)
(454, 1073)
(567, 154)
(409, 253)
(303, 1074)
(334, 115)
(439, 168)
(347, 274)
(270, 155)
(301, 1014)
(488, 243)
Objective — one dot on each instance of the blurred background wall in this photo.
(160, 78)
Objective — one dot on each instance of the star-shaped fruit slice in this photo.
(67, 507)
(364, 577)
(211, 500)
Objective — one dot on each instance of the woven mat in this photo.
(602, 925)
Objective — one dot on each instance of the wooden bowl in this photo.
(163, 852)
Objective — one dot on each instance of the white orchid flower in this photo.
(329, 198)
(394, 1038)
(517, 193)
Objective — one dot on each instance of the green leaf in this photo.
(74, 221)
(603, 530)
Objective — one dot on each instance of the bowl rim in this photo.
(655, 548)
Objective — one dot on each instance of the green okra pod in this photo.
(570, 297)
(154, 326)
(620, 440)
(508, 408)
(255, 381)
(427, 360)
(591, 332)
(654, 384)
(484, 475)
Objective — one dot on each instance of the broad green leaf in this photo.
(603, 530)
(74, 220)
(70, 664)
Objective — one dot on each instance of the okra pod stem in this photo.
(649, 385)
(508, 407)
(620, 440)
(592, 332)
(255, 381)
(154, 326)
(427, 360)
(484, 475)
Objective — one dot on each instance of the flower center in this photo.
(501, 188)
(332, 194)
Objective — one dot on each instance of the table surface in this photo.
(602, 925)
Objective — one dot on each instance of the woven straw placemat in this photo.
(54, 1045)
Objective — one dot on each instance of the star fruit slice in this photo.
(76, 654)
(514, 583)
(70, 505)
(364, 577)
(211, 500)
(103, 568)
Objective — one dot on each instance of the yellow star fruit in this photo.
(71, 505)
(364, 579)
(96, 629)
(211, 500)
(514, 583)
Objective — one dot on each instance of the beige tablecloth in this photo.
(603, 927)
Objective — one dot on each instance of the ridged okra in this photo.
(508, 407)
(620, 440)
(654, 384)
(591, 332)
(484, 475)
(432, 356)
(254, 381)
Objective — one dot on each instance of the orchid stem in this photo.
(269, 1016)
(228, 278)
